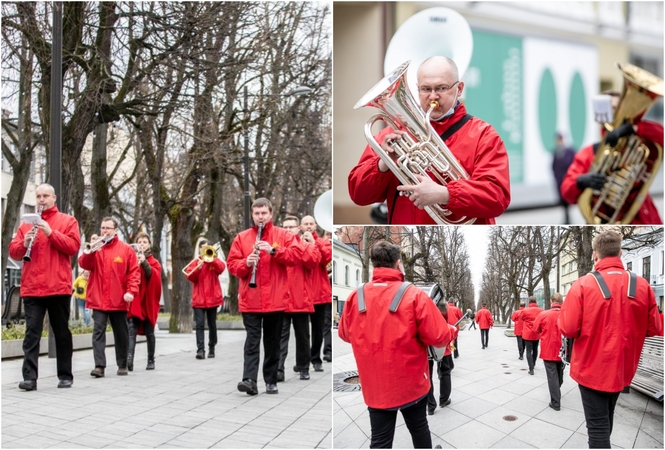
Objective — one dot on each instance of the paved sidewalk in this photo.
(184, 403)
(489, 385)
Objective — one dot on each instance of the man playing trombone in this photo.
(46, 284)
(204, 273)
(264, 251)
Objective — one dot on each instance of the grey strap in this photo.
(632, 285)
(361, 298)
(398, 296)
(601, 284)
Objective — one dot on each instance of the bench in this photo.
(649, 376)
(13, 308)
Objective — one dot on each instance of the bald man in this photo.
(322, 316)
(474, 143)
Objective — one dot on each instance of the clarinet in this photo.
(252, 281)
(27, 257)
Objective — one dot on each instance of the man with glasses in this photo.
(113, 285)
(475, 144)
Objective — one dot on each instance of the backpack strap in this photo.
(361, 298)
(632, 285)
(398, 296)
(456, 126)
(601, 284)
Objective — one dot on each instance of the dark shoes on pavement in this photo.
(97, 372)
(530, 372)
(151, 365)
(444, 404)
(521, 357)
(248, 386)
(122, 371)
(304, 375)
(430, 410)
(271, 388)
(211, 352)
(318, 367)
(28, 385)
(200, 354)
(280, 376)
(327, 358)
(65, 383)
(555, 408)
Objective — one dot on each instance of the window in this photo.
(346, 276)
(629, 265)
(646, 268)
(357, 277)
(334, 272)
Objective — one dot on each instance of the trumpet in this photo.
(91, 247)
(208, 253)
(27, 257)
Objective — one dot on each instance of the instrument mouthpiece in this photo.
(434, 104)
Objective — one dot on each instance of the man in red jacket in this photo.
(300, 304)
(46, 284)
(454, 315)
(609, 313)
(389, 339)
(485, 322)
(113, 284)
(476, 145)
(206, 298)
(529, 333)
(263, 306)
(518, 329)
(322, 317)
(577, 178)
(550, 338)
(444, 367)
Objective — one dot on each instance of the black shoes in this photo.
(28, 385)
(271, 388)
(444, 404)
(521, 357)
(530, 372)
(97, 372)
(64, 384)
(483, 347)
(430, 410)
(200, 354)
(122, 371)
(280, 376)
(211, 352)
(318, 367)
(130, 362)
(248, 386)
(151, 365)
(327, 358)
(555, 408)
(304, 375)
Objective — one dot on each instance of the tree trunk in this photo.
(181, 254)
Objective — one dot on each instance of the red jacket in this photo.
(484, 319)
(517, 321)
(114, 271)
(381, 338)
(206, 290)
(50, 270)
(609, 334)
(648, 213)
(146, 306)
(454, 314)
(528, 318)
(301, 279)
(478, 148)
(272, 290)
(321, 289)
(550, 336)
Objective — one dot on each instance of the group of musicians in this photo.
(280, 270)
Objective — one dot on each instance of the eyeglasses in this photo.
(438, 90)
(108, 228)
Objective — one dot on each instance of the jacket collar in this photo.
(266, 227)
(48, 213)
(610, 262)
(442, 126)
(382, 274)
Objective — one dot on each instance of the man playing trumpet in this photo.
(476, 145)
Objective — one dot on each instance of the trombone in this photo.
(208, 253)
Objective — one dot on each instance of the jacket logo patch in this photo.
(275, 244)
(118, 259)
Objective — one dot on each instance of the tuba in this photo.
(420, 151)
(630, 166)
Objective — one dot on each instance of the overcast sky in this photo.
(477, 241)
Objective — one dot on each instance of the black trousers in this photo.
(431, 401)
(58, 312)
(133, 324)
(301, 331)
(456, 351)
(318, 325)
(531, 352)
(118, 321)
(445, 367)
(327, 327)
(383, 426)
(599, 415)
(554, 370)
(520, 345)
(271, 323)
(201, 315)
(484, 337)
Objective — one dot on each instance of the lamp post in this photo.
(300, 90)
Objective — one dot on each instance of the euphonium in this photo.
(630, 166)
(420, 150)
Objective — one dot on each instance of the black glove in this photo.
(590, 180)
(625, 129)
